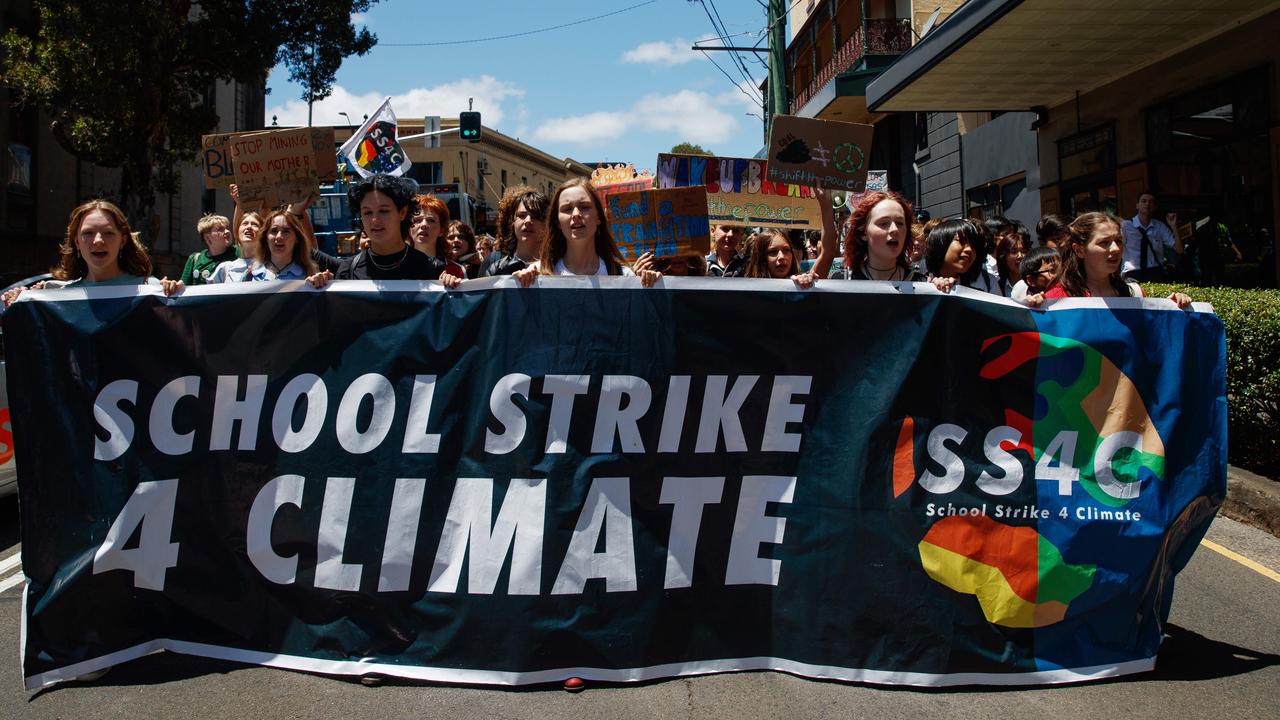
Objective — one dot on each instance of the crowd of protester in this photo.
(410, 236)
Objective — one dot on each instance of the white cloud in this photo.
(446, 100)
(359, 18)
(690, 115)
(746, 97)
(582, 129)
(676, 52)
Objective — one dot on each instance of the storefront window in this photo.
(1209, 157)
(1087, 153)
(1087, 166)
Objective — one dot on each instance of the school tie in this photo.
(1146, 246)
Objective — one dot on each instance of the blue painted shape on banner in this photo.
(1161, 356)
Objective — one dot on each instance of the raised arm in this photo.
(830, 240)
(299, 210)
(238, 216)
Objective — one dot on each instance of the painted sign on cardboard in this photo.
(739, 191)
(668, 223)
(823, 153)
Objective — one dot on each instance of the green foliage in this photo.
(688, 148)
(125, 81)
(1252, 322)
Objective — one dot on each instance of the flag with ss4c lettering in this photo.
(373, 149)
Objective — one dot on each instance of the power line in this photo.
(520, 34)
(765, 34)
(723, 31)
(723, 38)
(737, 63)
(757, 100)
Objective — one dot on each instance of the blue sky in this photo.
(620, 89)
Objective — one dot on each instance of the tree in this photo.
(688, 148)
(125, 80)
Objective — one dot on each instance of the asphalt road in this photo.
(1221, 659)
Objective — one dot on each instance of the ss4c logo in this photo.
(1089, 426)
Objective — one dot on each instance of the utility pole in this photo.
(776, 102)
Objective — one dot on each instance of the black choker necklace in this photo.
(389, 266)
(893, 271)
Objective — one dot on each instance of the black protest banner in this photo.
(588, 478)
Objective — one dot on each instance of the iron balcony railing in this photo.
(883, 36)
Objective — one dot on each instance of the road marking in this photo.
(10, 561)
(11, 581)
(1259, 568)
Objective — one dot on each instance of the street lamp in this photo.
(348, 117)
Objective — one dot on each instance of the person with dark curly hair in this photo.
(1011, 248)
(383, 203)
(522, 227)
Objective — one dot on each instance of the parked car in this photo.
(8, 464)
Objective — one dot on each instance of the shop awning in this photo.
(1027, 54)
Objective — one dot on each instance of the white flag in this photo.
(373, 149)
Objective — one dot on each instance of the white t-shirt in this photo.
(1019, 291)
(243, 269)
(601, 269)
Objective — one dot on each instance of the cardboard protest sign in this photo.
(740, 193)
(610, 179)
(278, 157)
(877, 180)
(220, 169)
(821, 153)
(671, 222)
(216, 161)
(326, 156)
(633, 185)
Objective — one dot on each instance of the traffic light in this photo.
(469, 126)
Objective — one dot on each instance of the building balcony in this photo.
(869, 47)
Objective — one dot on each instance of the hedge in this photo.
(1252, 322)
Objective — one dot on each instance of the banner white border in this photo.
(872, 287)
(457, 676)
